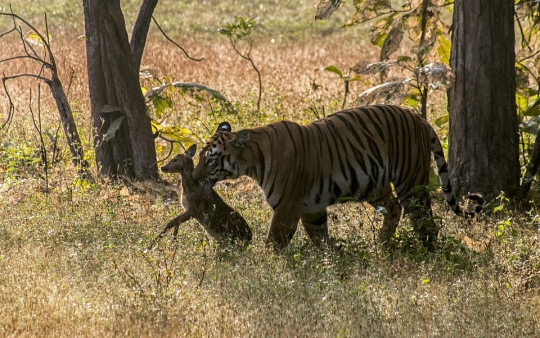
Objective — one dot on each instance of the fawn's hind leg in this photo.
(175, 222)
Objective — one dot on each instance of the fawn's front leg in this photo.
(175, 222)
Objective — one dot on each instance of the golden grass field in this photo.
(73, 254)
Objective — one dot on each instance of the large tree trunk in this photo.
(114, 82)
(483, 137)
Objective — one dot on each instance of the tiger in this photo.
(379, 154)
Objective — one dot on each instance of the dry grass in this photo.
(73, 261)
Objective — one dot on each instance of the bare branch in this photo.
(11, 106)
(524, 41)
(44, 79)
(45, 41)
(171, 142)
(14, 29)
(174, 43)
(140, 31)
(48, 65)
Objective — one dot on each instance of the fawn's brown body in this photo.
(220, 221)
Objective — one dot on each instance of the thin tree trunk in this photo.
(70, 128)
(483, 137)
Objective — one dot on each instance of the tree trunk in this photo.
(68, 122)
(483, 137)
(114, 82)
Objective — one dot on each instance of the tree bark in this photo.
(114, 81)
(483, 136)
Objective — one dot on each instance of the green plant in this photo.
(160, 101)
(426, 67)
(346, 78)
(241, 31)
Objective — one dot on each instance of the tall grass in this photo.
(74, 258)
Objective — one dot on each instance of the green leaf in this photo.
(403, 58)
(182, 135)
(239, 29)
(113, 128)
(378, 40)
(533, 109)
(413, 98)
(441, 120)
(161, 104)
(443, 48)
(334, 69)
(521, 103)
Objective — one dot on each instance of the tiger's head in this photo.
(218, 157)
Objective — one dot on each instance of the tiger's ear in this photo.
(224, 126)
(241, 138)
(190, 153)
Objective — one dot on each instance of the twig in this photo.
(172, 142)
(524, 41)
(205, 256)
(37, 126)
(11, 111)
(247, 57)
(174, 43)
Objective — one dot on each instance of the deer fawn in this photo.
(221, 221)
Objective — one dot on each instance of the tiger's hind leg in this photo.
(316, 225)
(391, 216)
(418, 206)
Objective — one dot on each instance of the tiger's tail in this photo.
(442, 167)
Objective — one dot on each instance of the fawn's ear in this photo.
(224, 126)
(190, 153)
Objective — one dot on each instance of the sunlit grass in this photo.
(75, 262)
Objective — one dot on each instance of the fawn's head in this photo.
(181, 162)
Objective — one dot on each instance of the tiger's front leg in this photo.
(282, 228)
(316, 225)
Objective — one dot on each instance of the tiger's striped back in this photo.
(356, 154)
